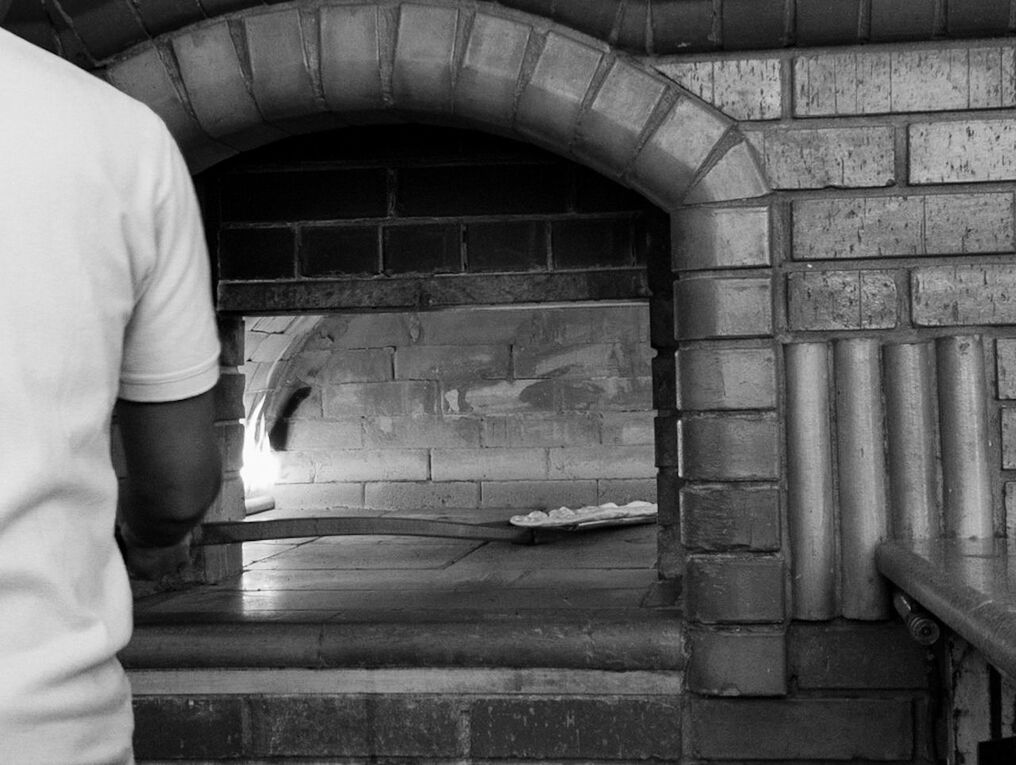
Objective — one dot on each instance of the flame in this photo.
(260, 468)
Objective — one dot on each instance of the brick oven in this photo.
(482, 255)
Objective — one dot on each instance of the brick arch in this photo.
(246, 80)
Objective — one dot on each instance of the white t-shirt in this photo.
(104, 292)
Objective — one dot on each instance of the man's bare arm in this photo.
(173, 467)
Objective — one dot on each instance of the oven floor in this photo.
(603, 572)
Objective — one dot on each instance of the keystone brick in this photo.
(842, 300)
(962, 152)
(382, 398)
(724, 589)
(803, 729)
(957, 295)
(280, 80)
(539, 494)
(550, 103)
(485, 88)
(609, 131)
(726, 378)
(429, 495)
(738, 448)
(736, 175)
(1005, 360)
(421, 431)
(742, 662)
(488, 464)
(720, 518)
(720, 238)
(900, 226)
(854, 157)
(744, 89)
(626, 729)
(424, 54)
(676, 150)
(351, 57)
(855, 656)
(602, 462)
(722, 307)
(339, 465)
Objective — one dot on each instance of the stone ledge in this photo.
(618, 640)
(967, 584)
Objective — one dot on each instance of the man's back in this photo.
(89, 216)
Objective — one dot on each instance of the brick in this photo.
(538, 494)
(280, 80)
(338, 465)
(585, 360)
(814, 158)
(582, 324)
(229, 396)
(304, 195)
(372, 330)
(501, 397)
(609, 131)
(858, 227)
(985, 18)
(736, 175)
(506, 246)
(333, 251)
(726, 378)
(677, 148)
(720, 238)
(421, 431)
(549, 105)
(684, 27)
(741, 662)
(364, 725)
(626, 428)
(497, 464)
(230, 438)
(961, 224)
(962, 152)
(729, 447)
(595, 192)
(621, 491)
(822, 23)
(381, 398)
(212, 74)
(602, 462)
(802, 729)
(321, 434)
(623, 394)
(959, 295)
(902, 19)
(552, 429)
(842, 300)
(1008, 439)
(158, 18)
(188, 727)
(854, 656)
(351, 57)
(721, 518)
(491, 66)
(726, 589)
(294, 467)
(317, 496)
(348, 365)
(842, 83)
(749, 89)
(592, 244)
(619, 728)
(429, 495)
(751, 24)
(722, 307)
(1005, 364)
(428, 249)
(452, 362)
(424, 57)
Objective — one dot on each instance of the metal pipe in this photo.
(920, 624)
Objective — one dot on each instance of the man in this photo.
(104, 294)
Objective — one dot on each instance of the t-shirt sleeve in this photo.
(171, 344)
